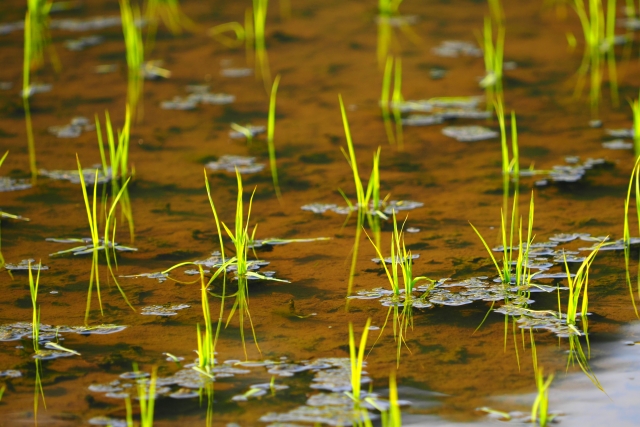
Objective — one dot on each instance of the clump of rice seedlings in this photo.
(368, 202)
(171, 14)
(508, 276)
(271, 124)
(403, 283)
(135, 55)
(578, 287)
(262, 60)
(635, 179)
(599, 33)
(493, 55)
(98, 244)
(241, 239)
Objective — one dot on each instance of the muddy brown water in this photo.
(324, 49)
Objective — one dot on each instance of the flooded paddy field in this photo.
(276, 307)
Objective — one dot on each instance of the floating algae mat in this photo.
(323, 214)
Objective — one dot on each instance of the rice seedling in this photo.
(598, 26)
(135, 56)
(579, 300)
(2, 389)
(493, 57)
(271, 124)
(356, 358)
(26, 89)
(510, 163)
(385, 101)
(33, 290)
(635, 108)
(368, 202)
(635, 179)
(402, 284)
(117, 168)
(262, 60)
(391, 104)
(171, 14)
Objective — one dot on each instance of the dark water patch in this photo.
(231, 115)
(580, 191)
(178, 255)
(282, 37)
(317, 158)
(73, 103)
(534, 151)
(5, 134)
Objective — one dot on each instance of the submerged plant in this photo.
(135, 55)
(403, 284)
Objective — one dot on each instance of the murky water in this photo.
(447, 369)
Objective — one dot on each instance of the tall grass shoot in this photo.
(135, 55)
(262, 60)
(493, 60)
(356, 358)
(635, 108)
(147, 399)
